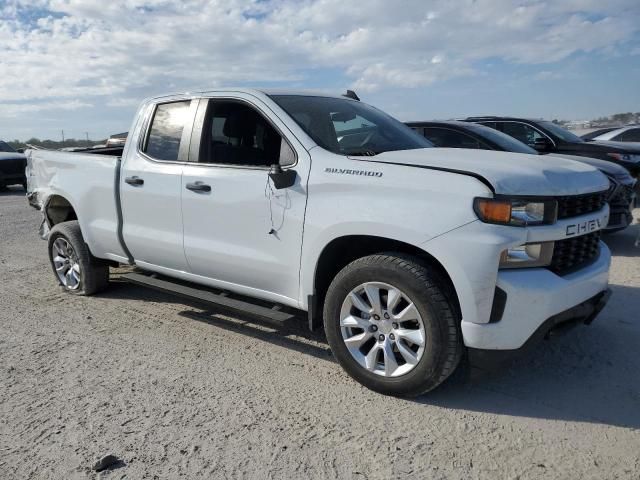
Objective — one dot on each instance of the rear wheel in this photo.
(76, 269)
(391, 326)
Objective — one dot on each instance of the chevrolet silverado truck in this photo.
(409, 256)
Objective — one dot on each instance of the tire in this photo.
(77, 271)
(436, 331)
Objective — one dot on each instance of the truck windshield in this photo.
(5, 147)
(349, 127)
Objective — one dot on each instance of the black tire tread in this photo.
(440, 299)
(95, 272)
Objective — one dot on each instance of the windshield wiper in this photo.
(362, 153)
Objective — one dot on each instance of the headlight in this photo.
(516, 212)
(527, 255)
(625, 157)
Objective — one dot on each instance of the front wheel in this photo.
(391, 326)
(76, 269)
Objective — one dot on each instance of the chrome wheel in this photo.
(65, 261)
(382, 329)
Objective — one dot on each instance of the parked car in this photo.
(592, 134)
(407, 254)
(629, 133)
(548, 137)
(12, 166)
(454, 134)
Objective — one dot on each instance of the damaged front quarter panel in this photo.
(36, 199)
(36, 202)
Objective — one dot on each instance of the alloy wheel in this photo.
(65, 261)
(382, 329)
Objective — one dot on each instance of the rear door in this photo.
(240, 232)
(151, 183)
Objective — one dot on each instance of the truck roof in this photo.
(258, 92)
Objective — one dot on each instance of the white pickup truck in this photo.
(410, 256)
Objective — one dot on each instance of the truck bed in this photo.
(89, 176)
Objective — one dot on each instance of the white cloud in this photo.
(16, 109)
(125, 49)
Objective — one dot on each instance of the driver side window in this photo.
(234, 133)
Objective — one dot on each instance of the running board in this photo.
(207, 296)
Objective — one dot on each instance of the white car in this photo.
(408, 255)
(629, 133)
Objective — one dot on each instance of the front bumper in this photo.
(533, 296)
(583, 313)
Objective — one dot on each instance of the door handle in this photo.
(198, 187)
(135, 181)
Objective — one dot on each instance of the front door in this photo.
(239, 230)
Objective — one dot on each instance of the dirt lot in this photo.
(177, 391)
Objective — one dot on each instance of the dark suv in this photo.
(12, 166)
(548, 137)
(451, 134)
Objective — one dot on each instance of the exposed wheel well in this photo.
(342, 251)
(59, 210)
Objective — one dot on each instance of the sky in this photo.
(83, 66)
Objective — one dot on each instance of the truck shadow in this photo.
(588, 375)
(292, 333)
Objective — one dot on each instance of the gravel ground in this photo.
(175, 391)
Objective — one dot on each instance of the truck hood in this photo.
(505, 172)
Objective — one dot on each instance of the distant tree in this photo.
(55, 144)
(623, 117)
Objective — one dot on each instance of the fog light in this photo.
(527, 255)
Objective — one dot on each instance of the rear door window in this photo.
(165, 134)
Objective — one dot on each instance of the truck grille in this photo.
(576, 205)
(575, 253)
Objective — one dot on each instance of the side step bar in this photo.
(206, 296)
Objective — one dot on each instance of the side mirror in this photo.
(282, 178)
(541, 144)
(20, 150)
